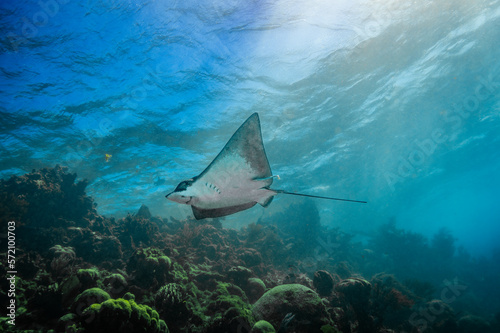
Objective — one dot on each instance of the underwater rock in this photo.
(204, 276)
(105, 248)
(67, 323)
(343, 270)
(262, 326)
(295, 277)
(229, 309)
(115, 284)
(306, 304)
(46, 303)
(137, 231)
(390, 291)
(323, 283)
(331, 329)
(94, 247)
(47, 198)
(251, 257)
(239, 275)
(442, 317)
(472, 324)
(144, 212)
(179, 305)
(390, 301)
(150, 267)
(120, 315)
(356, 293)
(87, 298)
(267, 241)
(254, 289)
(62, 259)
(170, 301)
(129, 296)
(168, 296)
(69, 289)
(88, 277)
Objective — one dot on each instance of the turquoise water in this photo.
(392, 102)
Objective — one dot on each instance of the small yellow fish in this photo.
(107, 157)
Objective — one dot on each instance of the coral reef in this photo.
(307, 306)
(263, 326)
(323, 282)
(121, 315)
(149, 267)
(81, 272)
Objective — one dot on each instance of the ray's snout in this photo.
(176, 197)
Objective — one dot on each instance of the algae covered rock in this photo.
(239, 274)
(179, 305)
(323, 282)
(67, 323)
(356, 291)
(275, 304)
(115, 284)
(69, 288)
(88, 277)
(254, 288)
(473, 324)
(229, 309)
(124, 316)
(263, 326)
(171, 301)
(150, 267)
(47, 198)
(87, 298)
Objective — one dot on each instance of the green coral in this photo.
(329, 329)
(67, 323)
(254, 289)
(178, 274)
(120, 315)
(115, 284)
(171, 302)
(89, 277)
(151, 267)
(69, 288)
(263, 326)
(203, 273)
(229, 307)
(87, 298)
(310, 311)
(179, 304)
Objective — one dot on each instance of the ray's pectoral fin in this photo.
(267, 197)
(200, 213)
(267, 202)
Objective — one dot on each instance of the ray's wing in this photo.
(219, 212)
(242, 160)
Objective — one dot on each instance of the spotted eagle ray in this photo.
(238, 178)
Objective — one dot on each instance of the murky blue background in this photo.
(394, 102)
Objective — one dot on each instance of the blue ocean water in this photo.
(392, 102)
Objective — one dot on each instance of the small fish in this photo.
(107, 157)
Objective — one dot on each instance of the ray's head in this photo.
(182, 193)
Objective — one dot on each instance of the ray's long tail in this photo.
(318, 196)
